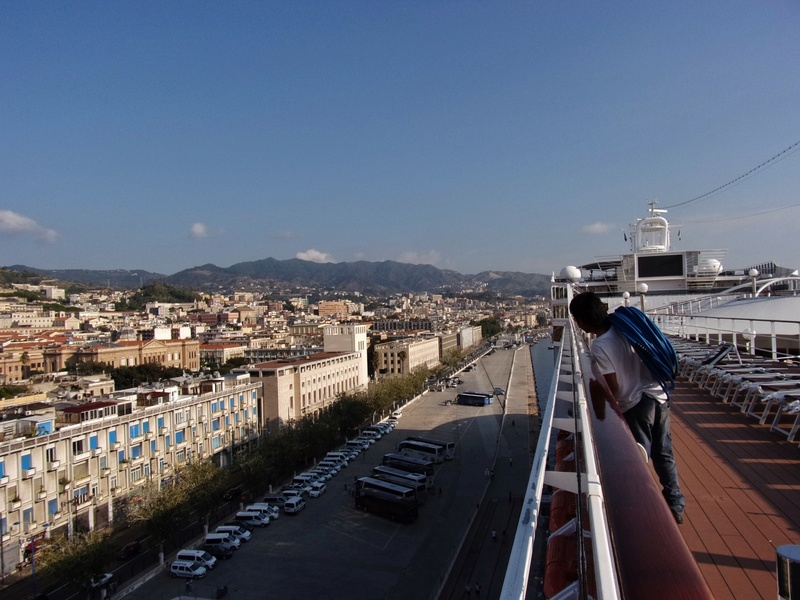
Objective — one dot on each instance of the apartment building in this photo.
(295, 387)
(75, 465)
(401, 357)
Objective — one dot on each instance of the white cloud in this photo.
(14, 223)
(432, 257)
(598, 228)
(198, 231)
(315, 256)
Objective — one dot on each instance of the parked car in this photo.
(202, 557)
(397, 414)
(317, 489)
(294, 505)
(499, 391)
(185, 568)
(219, 551)
(235, 530)
(129, 550)
(270, 510)
(252, 518)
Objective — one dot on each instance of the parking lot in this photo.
(332, 550)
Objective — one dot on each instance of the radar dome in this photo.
(571, 273)
(709, 265)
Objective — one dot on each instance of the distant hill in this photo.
(366, 277)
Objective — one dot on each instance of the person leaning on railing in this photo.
(641, 399)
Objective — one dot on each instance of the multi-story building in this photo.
(299, 386)
(75, 466)
(181, 354)
(401, 357)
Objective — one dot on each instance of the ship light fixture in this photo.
(626, 298)
(754, 274)
(642, 289)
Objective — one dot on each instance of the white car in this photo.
(272, 511)
(184, 568)
(322, 473)
(317, 489)
(397, 414)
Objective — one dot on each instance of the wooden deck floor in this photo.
(742, 487)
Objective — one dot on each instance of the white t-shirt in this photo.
(614, 354)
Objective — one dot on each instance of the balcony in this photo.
(53, 465)
(15, 503)
(164, 430)
(149, 435)
(97, 451)
(28, 473)
(4, 480)
(41, 495)
(105, 472)
(116, 445)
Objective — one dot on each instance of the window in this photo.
(180, 456)
(168, 441)
(2, 468)
(50, 454)
(152, 446)
(145, 426)
(180, 417)
(52, 507)
(160, 422)
(179, 437)
(134, 431)
(77, 447)
(215, 442)
(121, 456)
(136, 451)
(136, 473)
(93, 442)
(231, 403)
(26, 462)
(103, 461)
(215, 425)
(112, 437)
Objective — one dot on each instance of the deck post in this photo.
(788, 572)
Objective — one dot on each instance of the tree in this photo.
(78, 560)
(452, 356)
(203, 483)
(161, 510)
(25, 359)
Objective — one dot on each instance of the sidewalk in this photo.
(486, 549)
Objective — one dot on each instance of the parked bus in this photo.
(415, 481)
(386, 504)
(449, 447)
(405, 492)
(430, 452)
(408, 463)
(473, 399)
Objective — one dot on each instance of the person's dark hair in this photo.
(590, 310)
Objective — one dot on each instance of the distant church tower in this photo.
(349, 338)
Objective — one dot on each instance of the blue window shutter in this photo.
(93, 442)
(25, 462)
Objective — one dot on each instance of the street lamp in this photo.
(754, 274)
(642, 289)
(626, 298)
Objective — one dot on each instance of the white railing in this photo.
(586, 483)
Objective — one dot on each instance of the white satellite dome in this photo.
(571, 273)
(709, 265)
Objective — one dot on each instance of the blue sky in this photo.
(473, 136)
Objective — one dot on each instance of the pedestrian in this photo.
(486, 472)
(643, 402)
(513, 422)
(468, 591)
(510, 461)
(491, 474)
(188, 585)
(494, 535)
(477, 590)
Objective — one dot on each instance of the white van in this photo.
(371, 434)
(270, 510)
(358, 445)
(343, 456)
(252, 518)
(294, 505)
(237, 532)
(185, 568)
(199, 556)
(223, 538)
(333, 466)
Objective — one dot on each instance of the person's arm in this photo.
(613, 385)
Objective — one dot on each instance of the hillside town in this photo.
(74, 447)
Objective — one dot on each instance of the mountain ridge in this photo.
(383, 277)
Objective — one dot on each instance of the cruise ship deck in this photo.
(742, 487)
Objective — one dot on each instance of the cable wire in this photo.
(779, 156)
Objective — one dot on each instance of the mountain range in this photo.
(384, 277)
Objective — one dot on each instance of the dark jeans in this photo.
(649, 423)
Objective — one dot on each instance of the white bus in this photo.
(423, 450)
(449, 447)
(415, 481)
